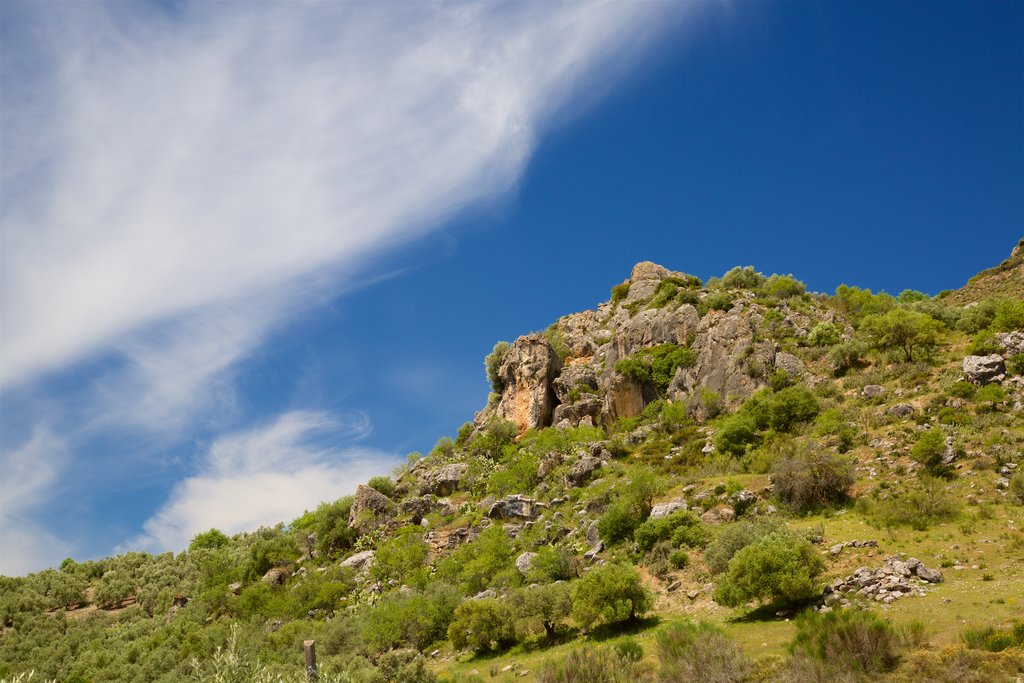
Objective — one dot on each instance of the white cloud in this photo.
(201, 159)
(263, 476)
(27, 475)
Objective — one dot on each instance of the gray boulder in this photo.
(359, 561)
(985, 369)
(515, 507)
(583, 468)
(445, 480)
(525, 562)
(370, 509)
(1012, 342)
(665, 509)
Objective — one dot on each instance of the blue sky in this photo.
(253, 255)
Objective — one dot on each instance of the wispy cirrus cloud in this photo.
(177, 182)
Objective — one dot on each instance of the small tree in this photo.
(609, 593)
(481, 625)
(779, 568)
(493, 362)
(930, 450)
(907, 331)
(543, 606)
(811, 481)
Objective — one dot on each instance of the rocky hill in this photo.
(734, 480)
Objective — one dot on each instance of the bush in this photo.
(402, 558)
(784, 286)
(492, 363)
(848, 640)
(715, 301)
(846, 356)
(974, 319)
(736, 433)
(811, 481)
(699, 652)
(481, 625)
(734, 537)
(333, 534)
(824, 334)
(778, 568)
(918, 507)
(589, 665)
(415, 619)
(742, 278)
(609, 593)
(857, 302)
(619, 292)
(476, 564)
(929, 450)
(992, 638)
(382, 484)
(1017, 487)
(1009, 316)
(683, 528)
(656, 365)
(619, 521)
(211, 539)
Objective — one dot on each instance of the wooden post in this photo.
(309, 649)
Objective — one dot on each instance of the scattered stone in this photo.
(693, 594)
(674, 586)
(1012, 342)
(591, 554)
(235, 587)
(895, 579)
(718, 514)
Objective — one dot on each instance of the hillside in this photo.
(734, 480)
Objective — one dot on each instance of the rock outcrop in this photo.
(370, 509)
(527, 373)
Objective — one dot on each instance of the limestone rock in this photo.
(624, 397)
(644, 280)
(514, 507)
(718, 514)
(985, 369)
(789, 364)
(1012, 342)
(574, 377)
(729, 361)
(665, 509)
(417, 507)
(901, 410)
(574, 413)
(370, 508)
(445, 480)
(359, 561)
(527, 372)
(873, 391)
(275, 577)
(525, 562)
(583, 468)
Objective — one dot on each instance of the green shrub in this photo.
(1017, 487)
(835, 422)
(811, 481)
(929, 450)
(494, 438)
(211, 539)
(848, 640)
(974, 319)
(846, 356)
(619, 292)
(784, 286)
(824, 334)
(742, 278)
(382, 484)
(609, 593)
(857, 302)
(656, 365)
(1009, 316)
(482, 624)
(778, 568)
(476, 564)
(992, 638)
(1015, 364)
(492, 363)
(699, 653)
(736, 434)
(715, 301)
(588, 665)
(918, 507)
(734, 537)
(983, 344)
(402, 558)
(619, 521)
(682, 528)
(414, 619)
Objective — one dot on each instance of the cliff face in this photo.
(573, 373)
